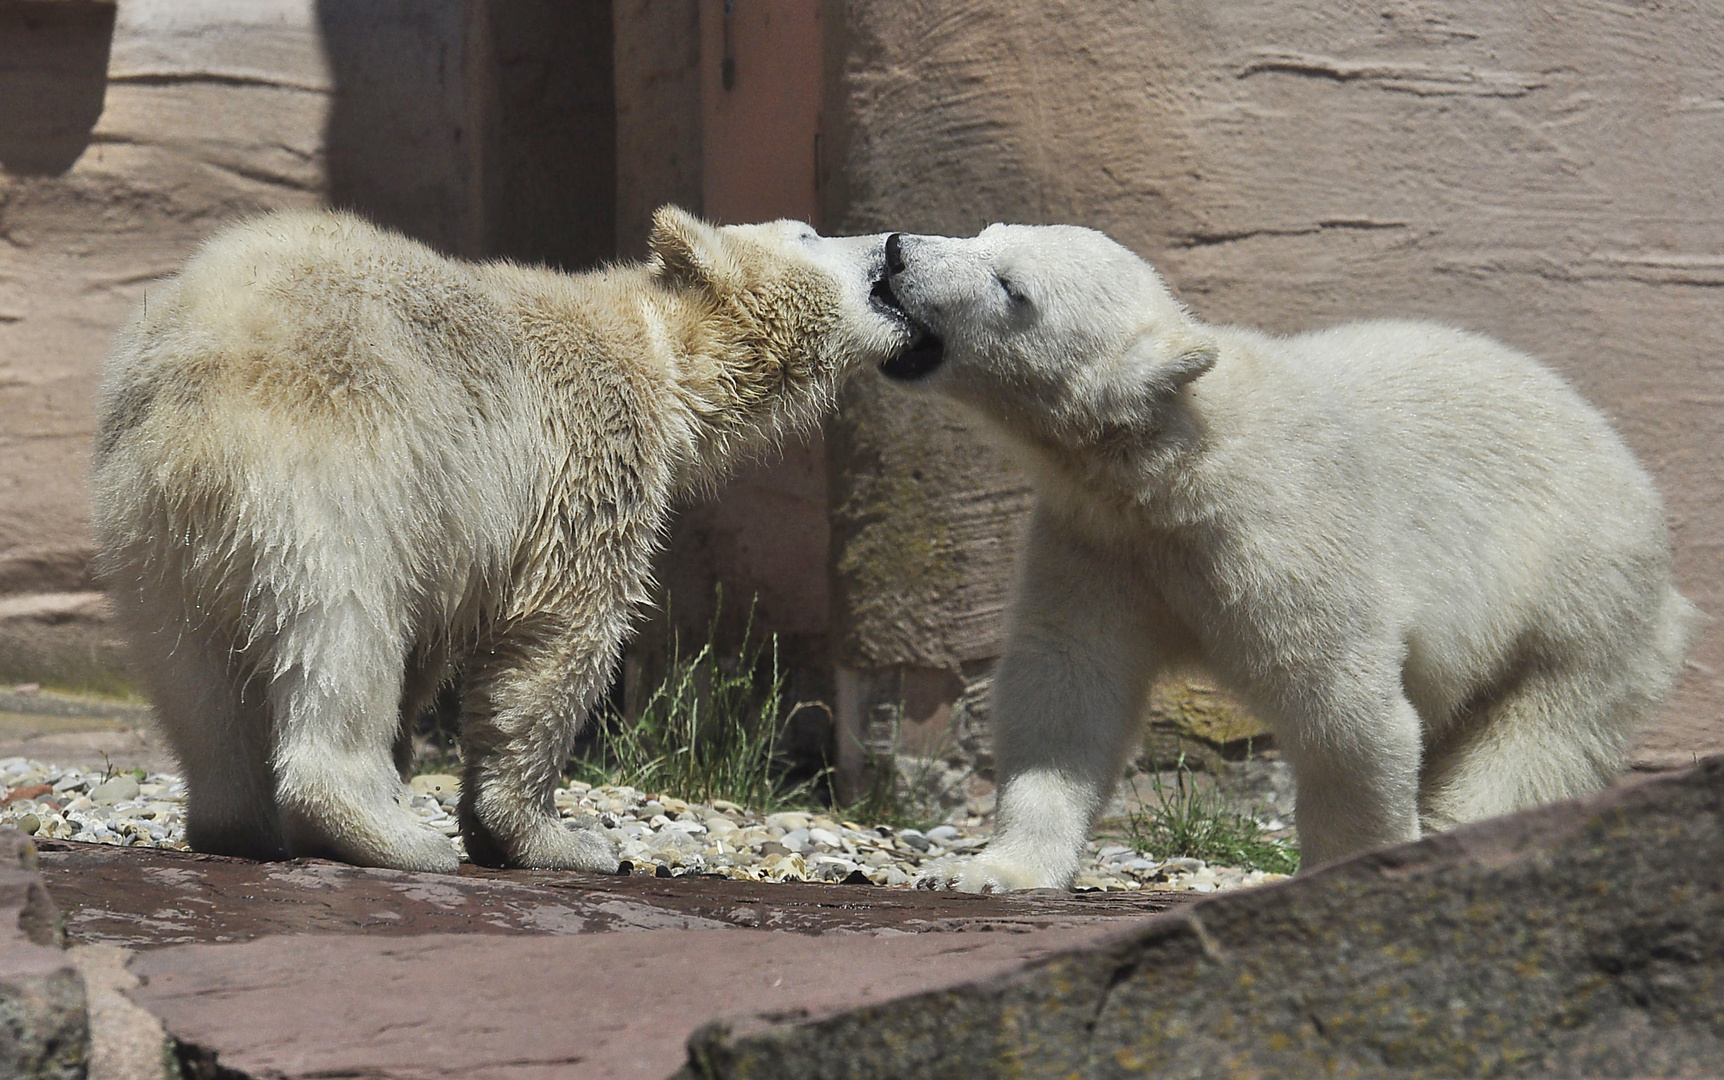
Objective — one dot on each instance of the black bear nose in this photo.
(895, 253)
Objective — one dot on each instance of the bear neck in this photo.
(1140, 469)
(740, 389)
(723, 388)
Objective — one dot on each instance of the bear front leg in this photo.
(526, 697)
(1355, 748)
(1065, 708)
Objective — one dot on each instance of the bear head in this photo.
(785, 312)
(1054, 331)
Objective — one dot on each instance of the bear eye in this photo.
(1013, 292)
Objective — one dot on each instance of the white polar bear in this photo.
(331, 463)
(1420, 557)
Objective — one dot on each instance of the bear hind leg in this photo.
(1560, 729)
(218, 727)
(525, 697)
(427, 670)
(1552, 735)
(337, 719)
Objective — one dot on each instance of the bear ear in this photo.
(1147, 372)
(686, 249)
(1159, 362)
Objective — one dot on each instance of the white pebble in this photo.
(687, 839)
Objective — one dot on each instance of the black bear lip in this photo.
(924, 353)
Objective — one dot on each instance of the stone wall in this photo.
(131, 132)
(1549, 173)
(190, 115)
(719, 111)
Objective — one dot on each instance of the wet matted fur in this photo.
(330, 463)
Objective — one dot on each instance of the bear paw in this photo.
(425, 850)
(559, 847)
(989, 873)
(386, 836)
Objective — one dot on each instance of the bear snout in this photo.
(895, 253)
(925, 351)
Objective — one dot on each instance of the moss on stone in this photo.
(897, 560)
(1583, 939)
(1192, 718)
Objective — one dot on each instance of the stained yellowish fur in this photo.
(332, 463)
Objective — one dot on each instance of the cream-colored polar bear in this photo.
(1433, 569)
(331, 463)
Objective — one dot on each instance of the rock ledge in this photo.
(1582, 939)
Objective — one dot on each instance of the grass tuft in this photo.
(1190, 824)
(906, 793)
(710, 730)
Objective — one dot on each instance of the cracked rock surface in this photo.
(1583, 939)
(44, 1022)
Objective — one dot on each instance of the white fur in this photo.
(1419, 555)
(331, 464)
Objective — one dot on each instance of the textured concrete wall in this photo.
(403, 141)
(761, 79)
(1550, 173)
(718, 109)
(656, 61)
(549, 171)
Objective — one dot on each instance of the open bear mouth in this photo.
(924, 351)
(883, 295)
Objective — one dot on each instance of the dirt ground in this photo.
(75, 730)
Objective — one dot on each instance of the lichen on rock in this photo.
(1192, 721)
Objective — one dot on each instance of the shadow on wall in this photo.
(401, 143)
(484, 129)
(53, 76)
(551, 160)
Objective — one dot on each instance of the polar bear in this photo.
(1428, 564)
(331, 463)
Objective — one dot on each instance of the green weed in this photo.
(710, 730)
(1192, 824)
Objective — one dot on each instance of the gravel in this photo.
(654, 834)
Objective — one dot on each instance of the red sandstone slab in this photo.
(313, 968)
(493, 1007)
(144, 898)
